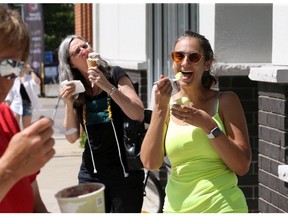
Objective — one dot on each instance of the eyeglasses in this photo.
(11, 69)
(77, 51)
(179, 56)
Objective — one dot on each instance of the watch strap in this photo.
(215, 132)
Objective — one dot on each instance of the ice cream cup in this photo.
(82, 198)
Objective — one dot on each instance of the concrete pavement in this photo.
(62, 170)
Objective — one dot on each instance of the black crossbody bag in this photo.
(133, 134)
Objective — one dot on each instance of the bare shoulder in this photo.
(228, 96)
(229, 101)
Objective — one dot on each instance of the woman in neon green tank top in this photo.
(206, 138)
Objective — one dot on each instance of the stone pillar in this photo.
(234, 77)
(273, 136)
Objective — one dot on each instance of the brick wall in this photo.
(247, 91)
(140, 77)
(83, 21)
(273, 111)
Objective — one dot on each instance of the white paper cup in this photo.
(82, 198)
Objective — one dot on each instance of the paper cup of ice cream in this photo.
(82, 198)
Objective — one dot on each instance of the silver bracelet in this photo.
(113, 90)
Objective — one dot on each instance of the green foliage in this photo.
(58, 23)
(83, 138)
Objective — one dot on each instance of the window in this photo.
(165, 22)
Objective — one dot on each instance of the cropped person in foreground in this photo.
(22, 154)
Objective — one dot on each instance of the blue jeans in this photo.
(27, 108)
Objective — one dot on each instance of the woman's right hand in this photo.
(163, 92)
(29, 150)
(66, 92)
(70, 118)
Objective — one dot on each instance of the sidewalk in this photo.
(62, 170)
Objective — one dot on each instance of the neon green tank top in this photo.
(199, 180)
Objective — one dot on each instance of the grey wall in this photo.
(243, 33)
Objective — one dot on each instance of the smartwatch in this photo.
(215, 132)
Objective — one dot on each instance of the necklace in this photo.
(109, 107)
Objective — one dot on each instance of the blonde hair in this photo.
(14, 31)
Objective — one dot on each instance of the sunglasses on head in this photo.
(11, 68)
(179, 56)
(78, 49)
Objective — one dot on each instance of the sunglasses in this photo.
(179, 56)
(77, 51)
(11, 69)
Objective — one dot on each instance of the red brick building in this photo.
(83, 21)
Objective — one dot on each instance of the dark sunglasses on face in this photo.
(179, 56)
(11, 68)
(77, 51)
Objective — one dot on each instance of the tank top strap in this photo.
(216, 103)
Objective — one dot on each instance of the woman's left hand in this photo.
(193, 116)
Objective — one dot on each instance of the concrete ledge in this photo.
(132, 65)
(272, 74)
(233, 69)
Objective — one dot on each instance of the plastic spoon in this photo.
(177, 77)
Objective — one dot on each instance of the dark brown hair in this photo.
(207, 79)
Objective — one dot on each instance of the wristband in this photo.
(113, 90)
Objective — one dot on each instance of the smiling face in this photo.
(191, 67)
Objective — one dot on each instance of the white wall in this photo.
(240, 33)
(207, 21)
(280, 32)
(243, 33)
(122, 33)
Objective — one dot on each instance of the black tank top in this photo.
(23, 92)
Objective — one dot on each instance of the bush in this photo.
(83, 139)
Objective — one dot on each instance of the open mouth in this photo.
(186, 75)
